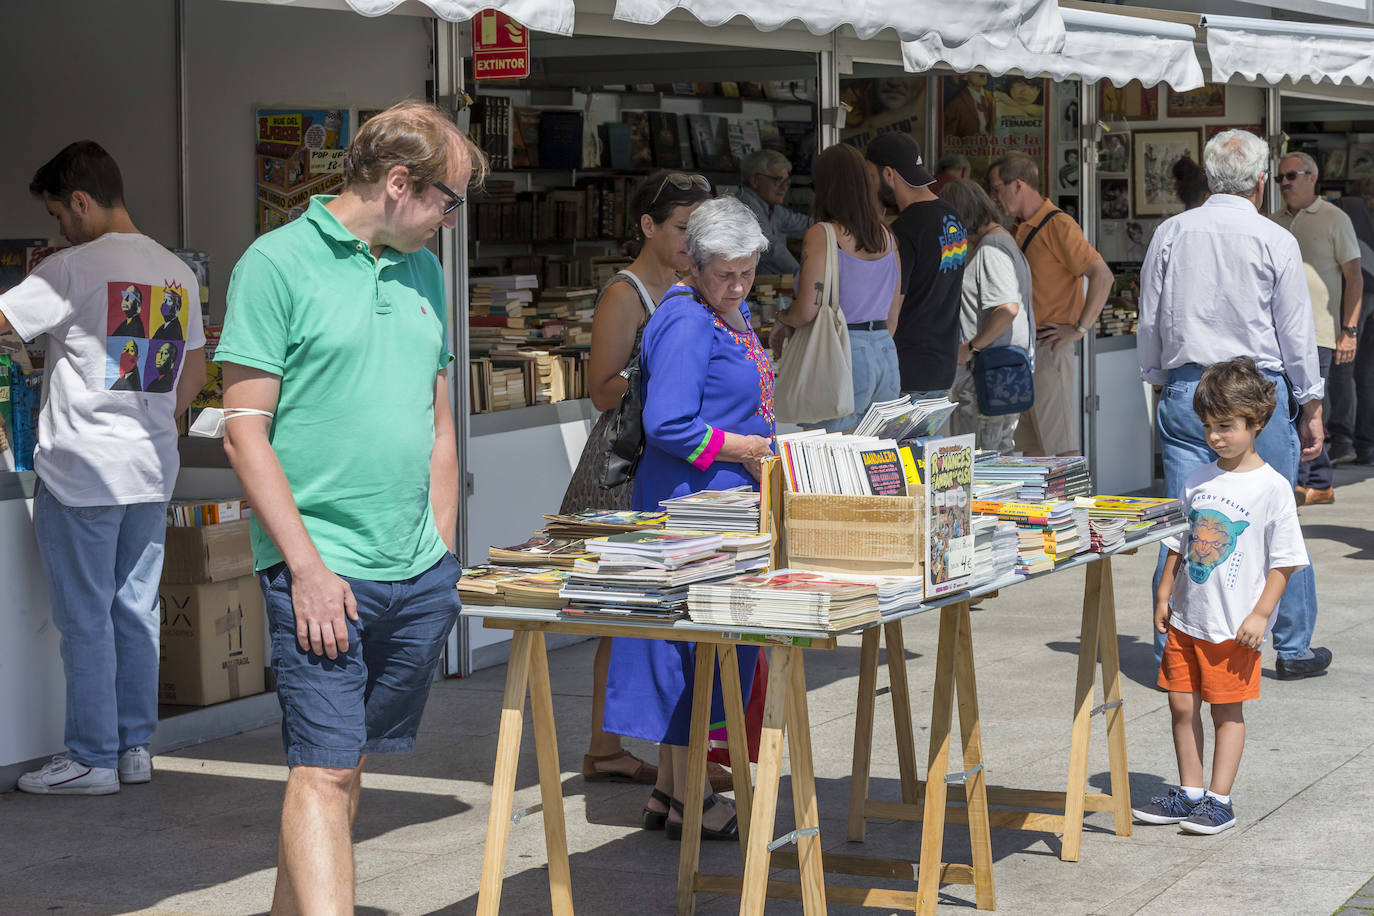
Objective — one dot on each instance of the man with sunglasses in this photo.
(1330, 248)
(335, 344)
(766, 176)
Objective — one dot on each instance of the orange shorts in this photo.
(1224, 672)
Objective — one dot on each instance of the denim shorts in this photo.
(370, 699)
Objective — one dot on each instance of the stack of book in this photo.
(487, 584)
(814, 461)
(996, 545)
(736, 509)
(644, 573)
(591, 523)
(787, 599)
(191, 513)
(1039, 479)
(1137, 515)
(510, 295)
(902, 418)
(1047, 533)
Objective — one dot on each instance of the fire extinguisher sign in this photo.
(500, 47)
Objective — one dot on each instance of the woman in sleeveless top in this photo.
(869, 277)
(995, 299)
(662, 203)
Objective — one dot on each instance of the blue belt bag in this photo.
(1004, 381)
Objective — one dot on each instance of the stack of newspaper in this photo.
(786, 599)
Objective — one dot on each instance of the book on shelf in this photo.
(560, 140)
(641, 139)
(491, 129)
(189, 513)
(710, 144)
(525, 138)
(667, 144)
(615, 145)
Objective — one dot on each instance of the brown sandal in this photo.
(644, 774)
(721, 778)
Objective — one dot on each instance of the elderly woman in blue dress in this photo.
(708, 422)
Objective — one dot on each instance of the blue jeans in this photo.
(368, 700)
(876, 376)
(1319, 473)
(103, 564)
(1184, 448)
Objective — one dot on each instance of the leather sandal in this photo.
(730, 832)
(655, 820)
(645, 773)
(720, 776)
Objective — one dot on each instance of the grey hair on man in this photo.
(952, 162)
(760, 162)
(723, 228)
(1307, 161)
(1235, 161)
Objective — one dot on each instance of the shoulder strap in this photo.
(644, 298)
(832, 268)
(1030, 237)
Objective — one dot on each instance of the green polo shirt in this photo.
(357, 342)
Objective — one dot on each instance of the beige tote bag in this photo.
(816, 371)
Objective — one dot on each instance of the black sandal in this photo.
(730, 832)
(655, 820)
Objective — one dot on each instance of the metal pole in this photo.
(183, 130)
(1088, 218)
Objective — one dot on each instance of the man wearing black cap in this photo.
(933, 246)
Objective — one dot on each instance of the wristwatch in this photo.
(1080, 329)
(974, 350)
(1351, 329)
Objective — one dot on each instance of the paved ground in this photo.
(201, 838)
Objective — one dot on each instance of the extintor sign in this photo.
(500, 47)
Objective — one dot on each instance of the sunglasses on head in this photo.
(454, 200)
(681, 181)
(1291, 176)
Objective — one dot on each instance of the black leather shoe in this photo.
(1291, 669)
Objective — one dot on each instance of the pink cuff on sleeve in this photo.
(709, 448)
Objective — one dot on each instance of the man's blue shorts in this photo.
(370, 699)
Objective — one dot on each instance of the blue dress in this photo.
(701, 378)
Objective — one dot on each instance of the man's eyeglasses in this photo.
(776, 179)
(1291, 177)
(454, 200)
(683, 182)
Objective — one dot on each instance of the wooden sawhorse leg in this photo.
(528, 668)
(1098, 636)
(863, 724)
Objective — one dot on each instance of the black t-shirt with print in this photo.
(933, 246)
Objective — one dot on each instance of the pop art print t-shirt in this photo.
(120, 314)
(1241, 525)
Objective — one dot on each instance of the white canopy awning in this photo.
(1097, 46)
(1034, 23)
(541, 15)
(1274, 50)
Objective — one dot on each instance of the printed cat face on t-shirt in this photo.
(1211, 541)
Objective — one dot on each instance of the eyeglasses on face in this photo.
(454, 200)
(777, 179)
(683, 182)
(1291, 177)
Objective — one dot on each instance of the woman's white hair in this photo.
(723, 228)
(1235, 161)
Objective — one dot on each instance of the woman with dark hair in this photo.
(869, 277)
(662, 202)
(1191, 182)
(994, 308)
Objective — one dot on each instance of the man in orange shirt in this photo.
(1060, 259)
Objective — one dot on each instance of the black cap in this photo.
(903, 153)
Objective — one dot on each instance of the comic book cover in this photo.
(949, 514)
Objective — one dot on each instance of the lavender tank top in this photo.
(866, 287)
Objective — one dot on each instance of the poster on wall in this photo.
(878, 106)
(949, 514)
(1114, 154)
(1132, 102)
(299, 153)
(984, 117)
(1207, 102)
(1067, 171)
(1121, 241)
(1156, 151)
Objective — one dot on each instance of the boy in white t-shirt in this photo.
(1242, 546)
(125, 356)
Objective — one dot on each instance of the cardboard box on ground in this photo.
(212, 641)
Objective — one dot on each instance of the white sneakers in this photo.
(135, 766)
(64, 776)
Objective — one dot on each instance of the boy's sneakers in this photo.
(1170, 808)
(64, 776)
(135, 765)
(1211, 815)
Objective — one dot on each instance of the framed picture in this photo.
(1116, 198)
(1066, 178)
(1069, 204)
(1114, 154)
(1360, 161)
(1214, 129)
(1132, 102)
(1068, 115)
(1155, 153)
(1207, 102)
(1333, 162)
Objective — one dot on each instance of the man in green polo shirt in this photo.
(336, 388)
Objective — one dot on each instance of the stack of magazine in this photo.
(644, 573)
(540, 550)
(787, 599)
(736, 509)
(814, 461)
(995, 547)
(904, 419)
(1140, 513)
(1048, 533)
(1039, 479)
(598, 522)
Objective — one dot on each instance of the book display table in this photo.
(934, 802)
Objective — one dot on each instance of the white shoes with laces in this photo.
(64, 776)
(135, 766)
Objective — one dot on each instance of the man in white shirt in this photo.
(1326, 237)
(120, 312)
(1221, 281)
